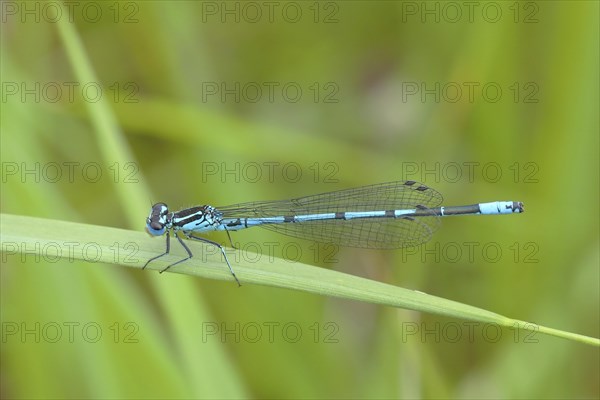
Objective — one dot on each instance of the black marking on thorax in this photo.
(188, 215)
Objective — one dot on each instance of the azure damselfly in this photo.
(382, 216)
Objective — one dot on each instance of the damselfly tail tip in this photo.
(518, 207)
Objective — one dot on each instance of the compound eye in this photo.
(157, 226)
(156, 229)
(156, 221)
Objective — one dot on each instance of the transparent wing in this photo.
(378, 233)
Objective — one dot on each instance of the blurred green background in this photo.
(226, 102)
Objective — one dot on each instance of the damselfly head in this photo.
(157, 221)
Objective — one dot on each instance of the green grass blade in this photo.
(50, 238)
(109, 138)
